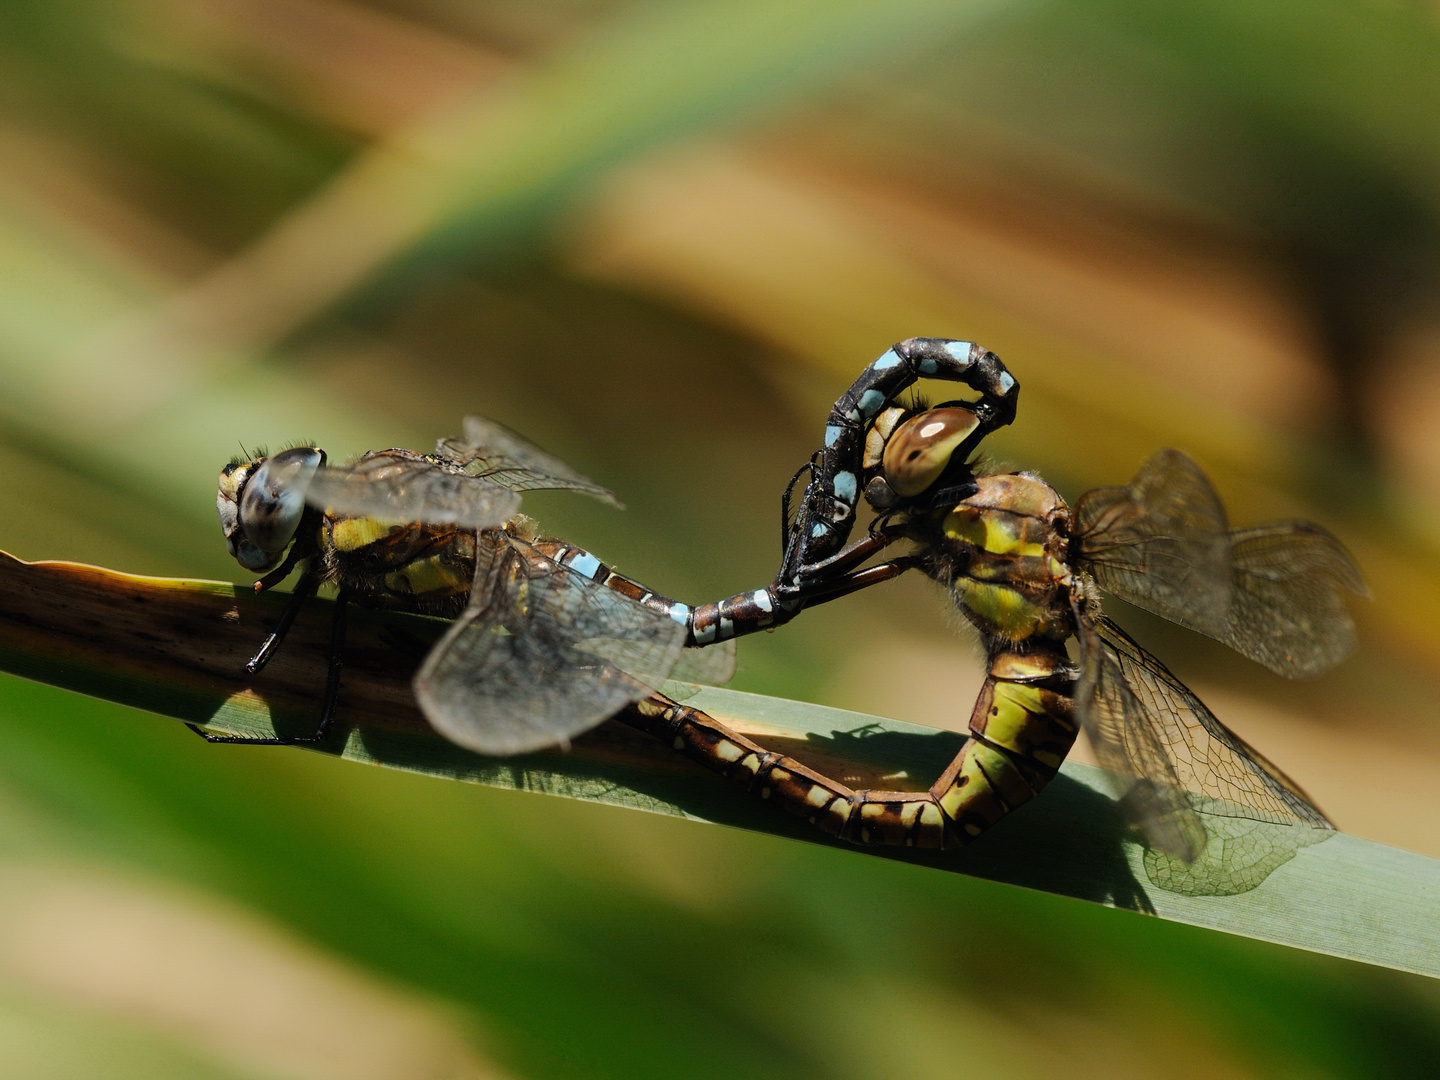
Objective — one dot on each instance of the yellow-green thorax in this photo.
(414, 567)
(1006, 558)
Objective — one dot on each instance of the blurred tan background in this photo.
(661, 239)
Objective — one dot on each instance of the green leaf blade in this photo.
(178, 648)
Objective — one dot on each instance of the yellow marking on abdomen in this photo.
(1031, 721)
(1022, 728)
(987, 788)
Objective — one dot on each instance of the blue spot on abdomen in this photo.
(586, 564)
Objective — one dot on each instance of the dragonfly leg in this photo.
(764, 609)
(335, 663)
(746, 613)
(304, 589)
(299, 552)
(825, 591)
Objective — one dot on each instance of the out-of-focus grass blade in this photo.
(470, 177)
(178, 648)
(807, 271)
(151, 377)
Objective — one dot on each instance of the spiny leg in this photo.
(335, 663)
(746, 613)
(304, 589)
(300, 551)
(785, 519)
(824, 592)
(844, 561)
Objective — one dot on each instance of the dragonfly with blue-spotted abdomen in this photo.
(546, 641)
(815, 562)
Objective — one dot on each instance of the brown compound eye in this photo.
(917, 453)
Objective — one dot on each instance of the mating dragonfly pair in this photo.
(547, 641)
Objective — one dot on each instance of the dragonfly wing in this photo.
(1218, 815)
(1128, 740)
(1225, 774)
(1274, 593)
(1161, 543)
(505, 457)
(401, 486)
(541, 655)
(713, 665)
(1289, 609)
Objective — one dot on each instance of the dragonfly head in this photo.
(261, 501)
(909, 452)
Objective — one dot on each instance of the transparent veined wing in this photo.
(1217, 815)
(1227, 776)
(1288, 609)
(541, 654)
(1155, 544)
(1128, 742)
(713, 665)
(402, 486)
(505, 457)
(1161, 542)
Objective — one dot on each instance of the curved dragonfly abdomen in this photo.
(1021, 729)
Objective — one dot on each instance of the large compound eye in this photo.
(251, 557)
(274, 498)
(232, 482)
(918, 452)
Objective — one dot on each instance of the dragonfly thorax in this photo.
(1003, 555)
(412, 566)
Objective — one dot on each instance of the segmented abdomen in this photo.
(1022, 728)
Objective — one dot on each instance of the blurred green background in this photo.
(661, 239)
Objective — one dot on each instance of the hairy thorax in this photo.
(412, 567)
(1002, 552)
